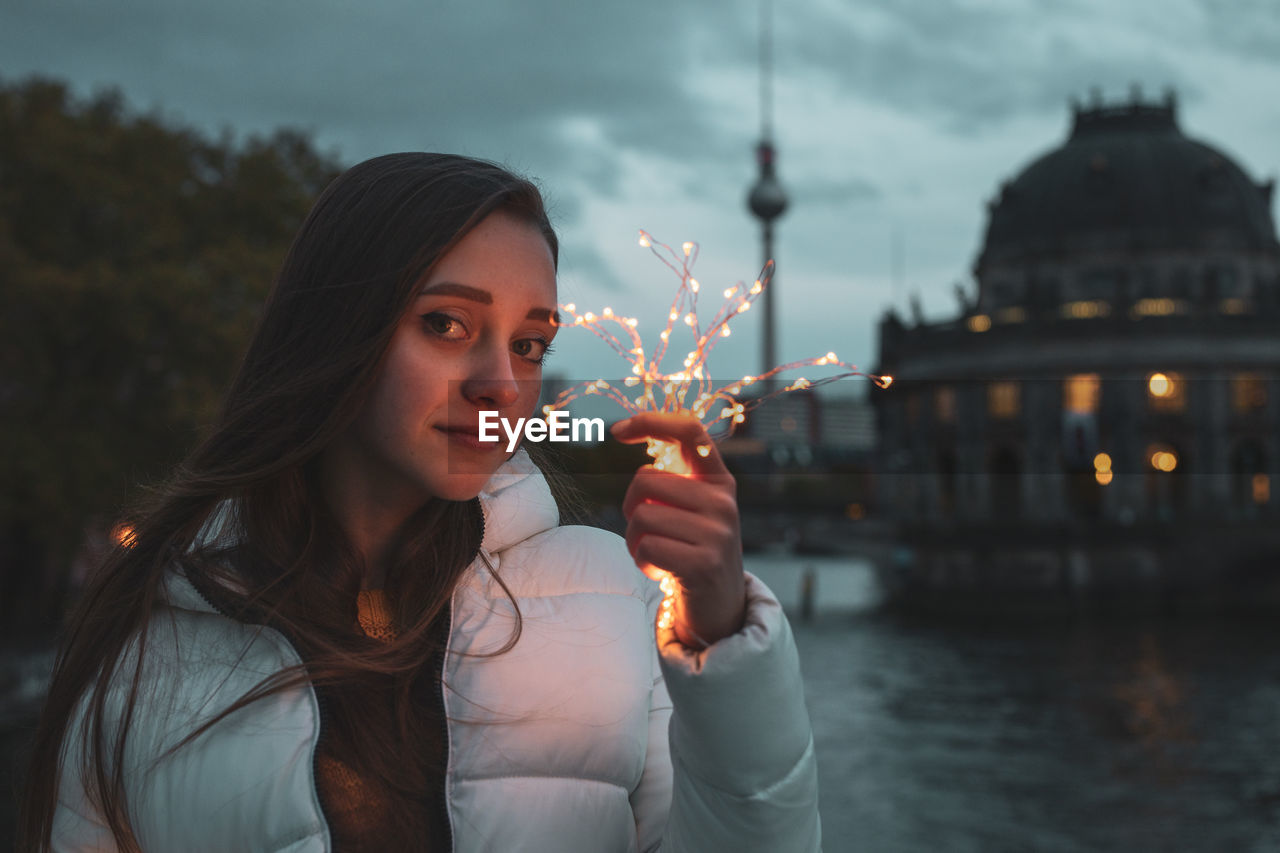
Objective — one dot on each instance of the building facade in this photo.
(1119, 365)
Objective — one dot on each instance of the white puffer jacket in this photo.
(586, 755)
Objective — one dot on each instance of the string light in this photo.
(692, 388)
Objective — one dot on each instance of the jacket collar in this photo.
(516, 503)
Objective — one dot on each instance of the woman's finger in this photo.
(657, 520)
(701, 496)
(711, 604)
(699, 451)
(672, 556)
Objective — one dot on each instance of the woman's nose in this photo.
(492, 383)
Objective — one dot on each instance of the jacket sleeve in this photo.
(77, 823)
(744, 774)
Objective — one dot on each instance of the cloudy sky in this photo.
(895, 119)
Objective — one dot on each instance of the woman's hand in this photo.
(688, 526)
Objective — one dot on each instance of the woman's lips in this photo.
(469, 437)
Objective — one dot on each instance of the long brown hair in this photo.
(347, 280)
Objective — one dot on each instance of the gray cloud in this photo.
(966, 66)
(582, 265)
(496, 79)
(833, 192)
(1245, 27)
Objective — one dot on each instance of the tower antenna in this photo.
(767, 201)
(766, 70)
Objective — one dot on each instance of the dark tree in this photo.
(134, 256)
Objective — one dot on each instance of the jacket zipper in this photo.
(444, 725)
(439, 672)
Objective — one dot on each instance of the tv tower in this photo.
(767, 201)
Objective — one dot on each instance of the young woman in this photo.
(347, 624)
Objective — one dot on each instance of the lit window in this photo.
(1080, 393)
(1166, 392)
(979, 323)
(1248, 393)
(1161, 307)
(1085, 309)
(944, 405)
(1234, 305)
(1012, 314)
(1261, 488)
(1002, 399)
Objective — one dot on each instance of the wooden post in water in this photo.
(808, 582)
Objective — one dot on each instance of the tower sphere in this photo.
(767, 199)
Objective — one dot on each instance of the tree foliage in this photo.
(134, 257)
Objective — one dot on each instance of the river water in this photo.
(1066, 734)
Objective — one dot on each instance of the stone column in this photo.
(1272, 446)
(971, 476)
(1210, 468)
(1127, 492)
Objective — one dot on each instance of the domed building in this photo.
(1104, 414)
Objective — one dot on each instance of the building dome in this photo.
(1128, 181)
(1108, 397)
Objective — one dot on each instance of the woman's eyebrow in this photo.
(449, 288)
(546, 315)
(475, 294)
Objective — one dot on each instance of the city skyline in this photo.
(894, 125)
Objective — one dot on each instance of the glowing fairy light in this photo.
(690, 389)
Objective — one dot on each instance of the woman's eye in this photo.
(533, 349)
(444, 326)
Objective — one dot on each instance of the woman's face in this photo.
(473, 340)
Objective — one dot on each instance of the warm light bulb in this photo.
(667, 456)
